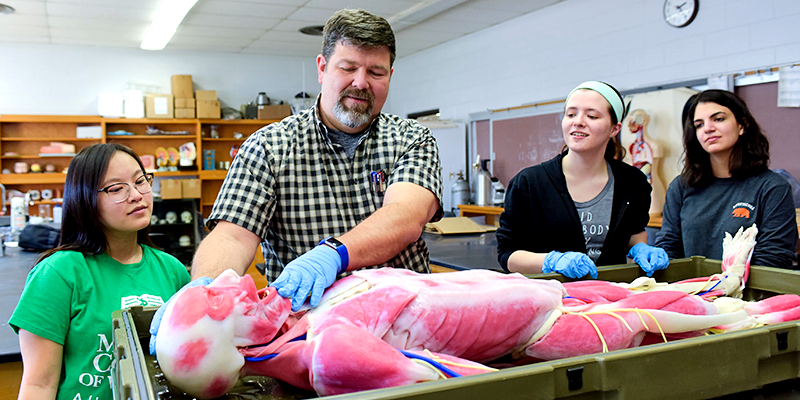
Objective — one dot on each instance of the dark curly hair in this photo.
(750, 154)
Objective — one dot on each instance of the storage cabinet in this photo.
(167, 235)
(21, 137)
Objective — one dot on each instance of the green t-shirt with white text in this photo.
(69, 297)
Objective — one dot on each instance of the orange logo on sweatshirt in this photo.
(741, 212)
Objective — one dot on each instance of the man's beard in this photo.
(359, 114)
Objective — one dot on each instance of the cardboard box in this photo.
(274, 112)
(190, 188)
(159, 106)
(184, 113)
(171, 189)
(209, 95)
(182, 86)
(208, 109)
(181, 102)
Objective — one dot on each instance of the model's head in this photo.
(592, 119)
(717, 123)
(103, 196)
(354, 69)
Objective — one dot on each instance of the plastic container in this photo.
(696, 368)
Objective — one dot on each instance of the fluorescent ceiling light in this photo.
(420, 12)
(165, 23)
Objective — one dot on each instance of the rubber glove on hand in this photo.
(648, 257)
(312, 272)
(204, 281)
(570, 264)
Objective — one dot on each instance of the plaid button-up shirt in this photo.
(292, 187)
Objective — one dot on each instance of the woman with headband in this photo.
(584, 207)
(725, 185)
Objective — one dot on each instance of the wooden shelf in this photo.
(23, 135)
(149, 121)
(213, 174)
(24, 156)
(48, 139)
(262, 122)
(149, 137)
(79, 119)
(32, 178)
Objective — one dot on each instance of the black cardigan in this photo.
(540, 215)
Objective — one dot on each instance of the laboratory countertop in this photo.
(461, 252)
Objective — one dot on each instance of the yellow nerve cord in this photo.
(455, 364)
(612, 313)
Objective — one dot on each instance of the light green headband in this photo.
(607, 92)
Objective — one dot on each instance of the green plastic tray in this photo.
(697, 368)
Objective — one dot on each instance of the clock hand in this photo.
(681, 6)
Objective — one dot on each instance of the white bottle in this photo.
(57, 214)
(17, 214)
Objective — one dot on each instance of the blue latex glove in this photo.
(648, 257)
(312, 273)
(570, 264)
(204, 281)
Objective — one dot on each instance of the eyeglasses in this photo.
(119, 192)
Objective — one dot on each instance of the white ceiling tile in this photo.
(473, 14)
(97, 23)
(282, 44)
(211, 41)
(268, 27)
(13, 30)
(297, 3)
(203, 48)
(97, 41)
(216, 31)
(107, 35)
(383, 8)
(293, 25)
(278, 52)
(26, 7)
(23, 20)
(316, 15)
(291, 36)
(230, 21)
(94, 11)
(219, 7)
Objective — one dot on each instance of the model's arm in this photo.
(227, 246)
(406, 209)
(42, 367)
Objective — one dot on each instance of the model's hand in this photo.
(570, 264)
(648, 257)
(312, 272)
(204, 281)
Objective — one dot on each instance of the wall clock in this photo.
(680, 13)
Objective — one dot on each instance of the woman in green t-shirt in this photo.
(104, 263)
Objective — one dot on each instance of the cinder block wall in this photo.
(542, 55)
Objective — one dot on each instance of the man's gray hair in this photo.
(358, 28)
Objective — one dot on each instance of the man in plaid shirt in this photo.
(363, 182)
